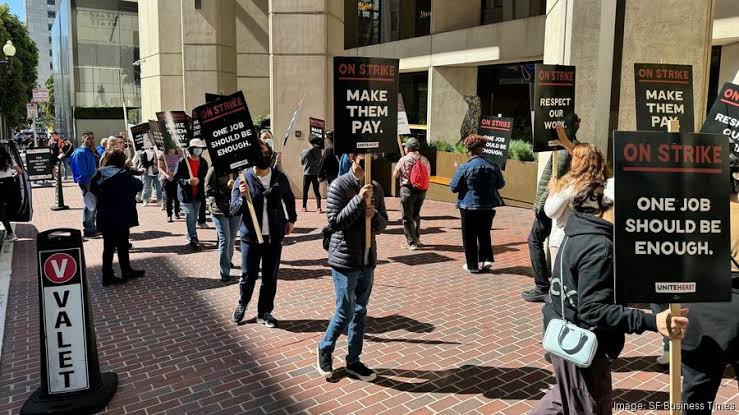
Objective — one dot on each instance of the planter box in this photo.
(445, 163)
(520, 188)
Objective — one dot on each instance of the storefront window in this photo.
(414, 89)
(370, 22)
(506, 90)
(496, 11)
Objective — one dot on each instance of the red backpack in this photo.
(419, 175)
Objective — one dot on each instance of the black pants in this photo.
(579, 391)
(411, 201)
(252, 256)
(201, 213)
(6, 190)
(170, 192)
(307, 181)
(476, 226)
(115, 241)
(540, 230)
(703, 370)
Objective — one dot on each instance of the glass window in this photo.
(414, 89)
(51, 2)
(51, 14)
(381, 21)
(50, 24)
(506, 90)
(496, 11)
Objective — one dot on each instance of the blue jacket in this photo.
(84, 164)
(279, 193)
(344, 164)
(100, 150)
(476, 184)
(116, 189)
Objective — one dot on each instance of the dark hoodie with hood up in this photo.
(116, 190)
(587, 270)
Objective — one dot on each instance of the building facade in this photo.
(40, 15)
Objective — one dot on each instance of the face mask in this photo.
(264, 161)
(197, 151)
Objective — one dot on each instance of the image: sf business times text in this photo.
(667, 405)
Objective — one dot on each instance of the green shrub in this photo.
(520, 150)
(443, 146)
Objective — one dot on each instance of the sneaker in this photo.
(177, 215)
(361, 372)
(163, 207)
(169, 219)
(471, 271)
(267, 320)
(203, 225)
(194, 244)
(486, 265)
(238, 313)
(11, 237)
(412, 247)
(134, 273)
(324, 363)
(664, 360)
(145, 203)
(535, 295)
(112, 280)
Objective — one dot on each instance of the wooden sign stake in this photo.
(252, 213)
(368, 221)
(673, 126)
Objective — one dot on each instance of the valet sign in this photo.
(63, 320)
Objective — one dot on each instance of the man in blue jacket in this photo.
(84, 165)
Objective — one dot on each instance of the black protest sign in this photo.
(663, 93)
(554, 104)
(724, 116)
(317, 131)
(671, 229)
(156, 133)
(365, 105)
(177, 128)
(497, 131)
(228, 131)
(195, 126)
(138, 132)
(38, 163)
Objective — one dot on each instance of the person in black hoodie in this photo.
(587, 280)
(329, 166)
(115, 189)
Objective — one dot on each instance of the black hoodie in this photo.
(588, 281)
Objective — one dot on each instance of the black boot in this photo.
(111, 279)
(134, 273)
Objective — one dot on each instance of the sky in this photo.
(16, 7)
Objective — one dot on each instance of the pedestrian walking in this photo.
(150, 163)
(477, 183)
(84, 166)
(115, 189)
(167, 166)
(310, 159)
(66, 153)
(191, 189)
(413, 171)
(349, 205)
(218, 189)
(329, 166)
(271, 196)
(8, 170)
(583, 273)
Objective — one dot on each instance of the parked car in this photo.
(20, 208)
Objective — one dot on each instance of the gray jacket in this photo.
(310, 158)
(345, 213)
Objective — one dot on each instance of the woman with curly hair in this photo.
(476, 183)
(588, 166)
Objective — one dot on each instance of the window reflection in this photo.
(369, 22)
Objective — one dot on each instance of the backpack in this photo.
(419, 177)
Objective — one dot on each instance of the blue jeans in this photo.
(268, 254)
(191, 219)
(88, 215)
(150, 181)
(353, 291)
(226, 229)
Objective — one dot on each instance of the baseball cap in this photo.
(196, 142)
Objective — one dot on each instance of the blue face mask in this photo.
(196, 151)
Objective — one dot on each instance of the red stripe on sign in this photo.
(730, 102)
(222, 115)
(673, 170)
(495, 128)
(663, 81)
(355, 78)
(556, 83)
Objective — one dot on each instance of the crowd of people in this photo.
(573, 219)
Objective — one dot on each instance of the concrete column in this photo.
(208, 50)
(304, 36)
(729, 65)
(660, 30)
(447, 88)
(252, 53)
(160, 40)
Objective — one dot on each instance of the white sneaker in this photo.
(486, 265)
(11, 237)
(145, 204)
(472, 271)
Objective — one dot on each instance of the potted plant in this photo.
(520, 175)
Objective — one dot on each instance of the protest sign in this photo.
(724, 116)
(403, 126)
(137, 133)
(212, 97)
(365, 105)
(317, 131)
(671, 228)
(176, 128)
(228, 131)
(195, 126)
(155, 134)
(38, 163)
(663, 93)
(497, 131)
(554, 104)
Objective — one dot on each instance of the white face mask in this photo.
(196, 151)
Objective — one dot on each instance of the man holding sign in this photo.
(190, 176)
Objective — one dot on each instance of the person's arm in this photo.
(342, 213)
(380, 219)
(501, 178)
(304, 157)
(563, 140)
(211, 187)
(181, 175)
(556, 203)
(396, 171)
(288, 199)
(457, 184)
(136, 184)
(237, 199)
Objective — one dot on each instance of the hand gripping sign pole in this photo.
(676, 398)
(71, 382)
(252, 212)
(368, 219)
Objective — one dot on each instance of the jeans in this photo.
(170, 188)
(307, 181)
(67, 167)
(540, 230)
(476, 226)
(191, 218)
(411, 201)
(149, 182)
(115, 241)
(268, 254)
(226, 229)
(88, 216)
(353, 289)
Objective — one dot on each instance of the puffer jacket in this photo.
(542, 189)
(345, 213)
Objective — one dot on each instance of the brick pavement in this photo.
(442, 340)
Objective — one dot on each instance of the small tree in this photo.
(47, 108)
(18, 77)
